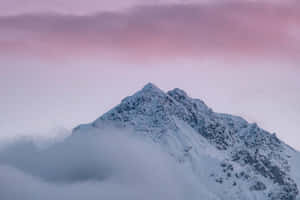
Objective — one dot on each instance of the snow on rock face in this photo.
(249, 158)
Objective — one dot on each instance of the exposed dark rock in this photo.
(257, 186)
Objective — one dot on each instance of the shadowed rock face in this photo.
(155, 113)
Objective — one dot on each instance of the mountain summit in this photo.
(233, 158)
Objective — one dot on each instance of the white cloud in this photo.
(109, 166)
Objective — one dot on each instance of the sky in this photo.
(63, 62)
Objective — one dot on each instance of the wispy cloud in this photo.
(231, 28)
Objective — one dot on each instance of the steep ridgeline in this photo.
(233, 158)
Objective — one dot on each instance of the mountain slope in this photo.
(232, 158)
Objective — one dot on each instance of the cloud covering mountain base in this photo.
(112, 165)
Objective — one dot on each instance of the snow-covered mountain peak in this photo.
(186, 128)
(155, 111)
(149, 94)
(150, 87)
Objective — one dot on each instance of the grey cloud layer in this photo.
(110, 166)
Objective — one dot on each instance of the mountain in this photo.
(233, 159)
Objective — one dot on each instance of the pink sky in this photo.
(165, 31)
(69, 66)
(83, 7)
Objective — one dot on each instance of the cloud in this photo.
(186, 30)
(13, 7)
(110, 165)
(83, 7)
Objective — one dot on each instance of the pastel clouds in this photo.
(193, 30)
(81, 7)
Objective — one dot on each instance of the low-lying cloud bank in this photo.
(108, 166)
